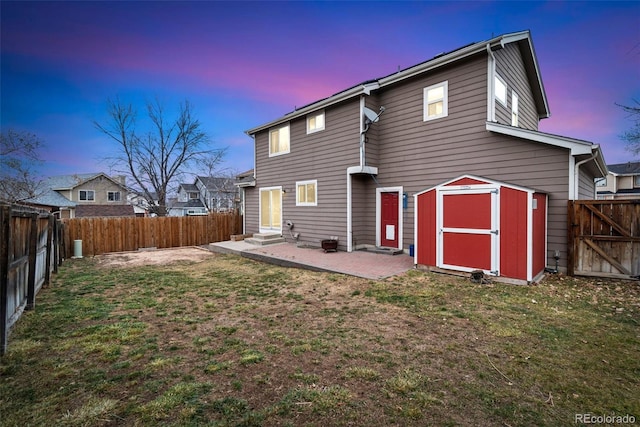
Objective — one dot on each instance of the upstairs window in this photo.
(86, 195)
(436, 101)
(500, 88)
(636, 181)
(306, 193)
(315, 122)
(113, 196)
(193, 196)
(601, 182)
(279, 141)
(514, 109)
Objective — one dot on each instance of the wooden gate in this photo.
(604, 238)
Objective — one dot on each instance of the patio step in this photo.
(262, 239)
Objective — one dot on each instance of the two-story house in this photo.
(355, 165)
(188, 202)
(84, 195)
(219, 194)
(622, 182)
(206, 194)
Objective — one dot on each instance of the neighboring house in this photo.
(63, 194)
(463, 123)
(206, 194)
(622, 182)
(188, 202)
(218, 194)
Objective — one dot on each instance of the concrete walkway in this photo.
(359, 263)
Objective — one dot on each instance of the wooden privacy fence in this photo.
(29, 251)
(104, 235)
(604, 238)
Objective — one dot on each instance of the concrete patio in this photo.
(359, 263)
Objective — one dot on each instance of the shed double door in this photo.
(468, 237)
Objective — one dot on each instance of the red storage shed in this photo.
(473, 223)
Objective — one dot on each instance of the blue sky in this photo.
(242, 64)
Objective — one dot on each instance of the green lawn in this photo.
(233, 342)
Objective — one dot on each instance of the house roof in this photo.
(582, 150)
(50, 186)
(629, 168)
(217, 183)
(621, 191)
(190, 188)
(84, 211)
(522, 38)
(245, 179)
(67, 182)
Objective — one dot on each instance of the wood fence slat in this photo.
(5, 232)
(608, 220)
(606, 256)
(604, 238)
(104, 235)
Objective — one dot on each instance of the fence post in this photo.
(571, 237)
(33, 252)
(49, 262)
(5, 232)
(56, 244)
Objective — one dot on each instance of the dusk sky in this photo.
(242, 64)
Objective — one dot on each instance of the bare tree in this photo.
(19, 161)
(632, 136)
(155, 159)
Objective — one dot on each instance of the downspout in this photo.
(244, 194)
(349, 195)
(491, 71)
(576, 175)
(349, 219)
(363, 160)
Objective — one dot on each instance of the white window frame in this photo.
(515, 115)
(305, 183)
(444, 99)
(279, 129)
(87, 192)
(115, 198)
(636, 181)
(500, 81)
(315, 116)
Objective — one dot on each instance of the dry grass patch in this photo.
(228, 341)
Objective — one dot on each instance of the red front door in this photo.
(389, 219)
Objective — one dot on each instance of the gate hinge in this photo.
(496, 191)
(494, 232)
(494, 272)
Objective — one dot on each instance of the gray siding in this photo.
(586, 185)
(413, 154)
(323, 156)
(510, 67)
(418, 154)
(364, 203)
